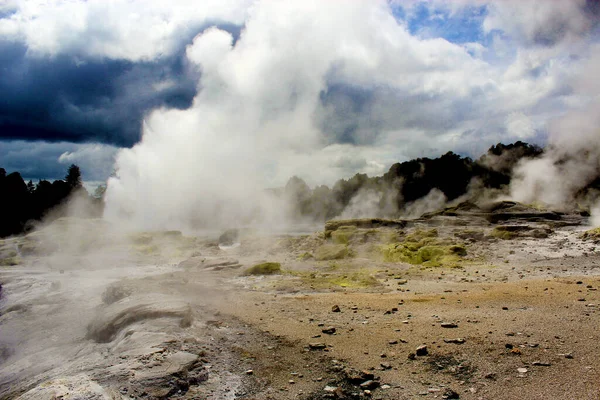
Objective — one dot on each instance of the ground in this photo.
(164, 315)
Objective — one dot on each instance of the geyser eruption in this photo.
(258, 116)
(208, 165)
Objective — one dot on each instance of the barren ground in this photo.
(168, 316)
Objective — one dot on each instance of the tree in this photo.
(73, 177)
(30, 187)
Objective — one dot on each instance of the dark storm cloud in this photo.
(69, 98)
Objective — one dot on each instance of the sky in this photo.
(318, 89)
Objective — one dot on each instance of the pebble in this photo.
(449, 325)
(249, 372)
(329, 330)
(455, 341)
(370, 384)
(450, 394)
(541, 363)
(522, 370)
(422, 351)
(336, 308)
(317, 346)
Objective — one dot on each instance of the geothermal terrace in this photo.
(469, 302)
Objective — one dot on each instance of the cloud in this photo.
(136, 30)
(317, 89)
(43, 160)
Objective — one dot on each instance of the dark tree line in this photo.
(403, 183)
(412, 180)
(22, 203)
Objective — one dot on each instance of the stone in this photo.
(317, 346)
(541, 364)
(369, 385)
(448, 325)
(336, 308)
(422, 351)
(455, 341)
(450, 394)
(229, 237)
(330, 330)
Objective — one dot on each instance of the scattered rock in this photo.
(369, 385)
(229, 237)
(448, 325)
(329, 330)
(455, 341)
(317, 346)
(541, 363)
(491, 376)
(450, 394)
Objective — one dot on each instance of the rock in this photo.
(422, 351)
(393, 342)
(317, 346)
(411, 356)
(369, 385)
(356, 377)
(329, 330)
(385, 365)
(329, 389)
(541, 363)
(249, 372)
(229, 237)
(455, 341)
(522, 370)
(450, 394)
(336, 308)
(121, 314)
(448, 325)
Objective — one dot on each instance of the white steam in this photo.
(572, 158)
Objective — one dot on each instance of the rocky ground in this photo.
(469, 302)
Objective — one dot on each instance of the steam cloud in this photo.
(572, 158)
(259, 116)
(254, 114)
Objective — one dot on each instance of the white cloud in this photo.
(119, 29)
